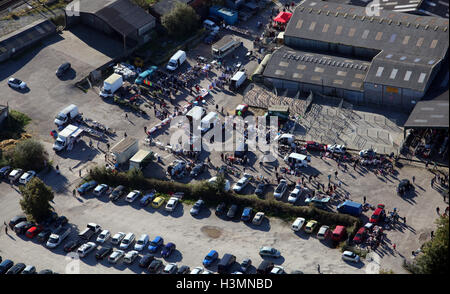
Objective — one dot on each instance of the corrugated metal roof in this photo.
(429, 114)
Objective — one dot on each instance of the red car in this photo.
(360, 236)
(243, 108)
(378, 215)
(33, 231)
(314, 146)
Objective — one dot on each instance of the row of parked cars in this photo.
(8, 267)
(16, 175)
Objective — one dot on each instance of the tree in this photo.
(219, 184)
(434, 259)
(181, 21)
(29, 155)
(35, 201)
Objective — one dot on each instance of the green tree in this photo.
(29, 155)
(434, 259)
(219, 184)
(35, 201)
(181, 21)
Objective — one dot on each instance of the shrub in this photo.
(29, 155)
(181, 21)
(36, 197)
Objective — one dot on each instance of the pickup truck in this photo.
(90, 231)
(57, 237)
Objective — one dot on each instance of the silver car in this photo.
(116, 256)
(280, 189)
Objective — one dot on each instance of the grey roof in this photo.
(429, 114)
(397, 5)
(433, 7)
(163, 7)
(123, 145)
(122, 15)
(317, 69)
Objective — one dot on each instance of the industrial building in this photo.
(336, 49)
(117, 18)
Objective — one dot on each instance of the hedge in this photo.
(205, 191)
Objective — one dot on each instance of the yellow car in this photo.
(310, 226)
(157, 202)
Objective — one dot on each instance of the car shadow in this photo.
(204, 213)
(278, 261)
(176, 256)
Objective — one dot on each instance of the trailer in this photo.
(125, 149)
(140, 159)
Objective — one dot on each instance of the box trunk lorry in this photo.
(225, 46)
(66, 115)
(237, 80)
(350, 207)
(125, 149)
(141, 159)
(111, 85)
(57, 237)
(67, 137)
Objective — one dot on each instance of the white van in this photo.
(237, 80)
(210, 25)
(176, 60)
(299, 160)
(66, 115)
(298, 224)
(208, 122)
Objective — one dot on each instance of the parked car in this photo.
(260, 188)
(360, 236)
(311, 226)
(341, 149)
(118, 192)
(210, 258)
(350, 256)
(46, 272)
(280, 189)
(297, 225)
(61, 221)
(277, 270)
(117, 238)
(265, 267)
(103, 252)
(367, 153)
(141, 242)
(378, 215)
(183, 270)
(33, 231)
(221, 209)
(324, 233)
(43, 236)
(86, 187)
(133, 195)
(240, 185)
(86, 248)
(293, 196)
(211, 38)
(155, 266)
(26, 177)
(17, 84)
(115, 256)
(195, 210)
(404, 186)
(158, 202)
(155, 244)
(14, 175)
(127, 241)
(72, 245)
(147, 198)
(267, 251)
(29, 270)
(168, 249)
(130, 256)
(232, 211)
(314, 146)
(16, 269)
(245, 265)
(4, 172)
(62, 69)
(247, 214)
(22, 227)
(100, 189)
(146, 260)
(198, 169)
(171, 204)
(197, 270)
(170, 269)
(15, 220)
(103, 236)
(258, 219)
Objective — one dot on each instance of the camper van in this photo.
(176, 60)
(208, 122)
(224, 46)
(299, 160)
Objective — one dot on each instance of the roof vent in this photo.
(353, 16)
(297, 57)
(363, 17)
(345, 15)
(310, 10)
(408, 24)
(399, 23)
(319, 11)
(328, 12)
(445, 29)
(426, 27)
(301, 9)
(336, 14)
(417, 25)
(436, 27)
(389, 22)
(371, 19)
(381, 20)
(284, 55)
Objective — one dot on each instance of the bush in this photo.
(181, 21)
(29, 155)
(14, 125)
(36, 197)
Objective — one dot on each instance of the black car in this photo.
(245, 265)
(43, 236)
(61, 221)
(211, 38)
(62, 69)
(221, 209)
(118, 192)
(46, 272)
(183, 270)
(4, 172)
(198, 169)
(232, 211)
(404, 186)
(146, 260)
(72, 245)
(103, 252)
(265, 267)
(6, 265)
(22, 227)
(155, 266)
(16, 269)
(15, 220)
(259, 191)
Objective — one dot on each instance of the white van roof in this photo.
(178, 54)
(113, 78)
(237, 76)
(69, 108)
(210, 116)
(196, 112)
(297, 156)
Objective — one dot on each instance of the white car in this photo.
(242, 183)
(293, 196)
(259, 217)
(141, 242)
(116, 256)
(15, 174)
(172, 204)
(337, 149)
(350, 256)
(133, 195)
(86, 248)
(26, 177)
(117, 238)
(197, 270)
(103, 237)
(127, 241)
(277, 270)
(96, 228)
(100, 189)
(17, 84)
(170, 269)
(280, 189)
(130, 256)
(298, 224)
(227, 183)
(368, 153)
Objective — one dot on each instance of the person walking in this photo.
(125, 134)
(364, 199)
(432, 234)
(318, 268)
(6, 230)
(74, 192)
(437, 210)
(394, 246)
(335, 174)
(413, 179)
(329, 178)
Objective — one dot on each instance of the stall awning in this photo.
(283, 17)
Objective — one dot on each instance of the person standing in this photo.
(364, 199)
(394, 246)
(413, 179)
(318, 268)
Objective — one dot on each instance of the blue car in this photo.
(147, 198)
(247, 214)
(155, 244)
(168, 249)
(143, 75)
(209, 259)
(86, 187)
